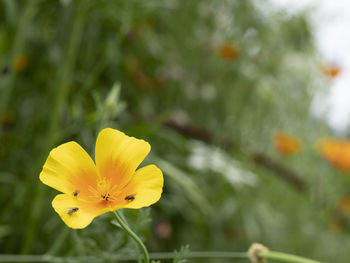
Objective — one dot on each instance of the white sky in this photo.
(331, 23)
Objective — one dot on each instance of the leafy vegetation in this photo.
(157, 70)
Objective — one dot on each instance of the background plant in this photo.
(210, 120)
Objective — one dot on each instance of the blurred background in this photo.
(240, 101)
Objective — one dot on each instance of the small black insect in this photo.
(76, 192)
(129, 197)
(72, 210)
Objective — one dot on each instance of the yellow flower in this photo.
(90, 190)
(287, 144)
(337, 152)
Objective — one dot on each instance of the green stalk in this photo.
(64, 79)
(128, 230)
(201, 254)
(59, 241)
(18, 46)
(278, 256)
(283, 257)
(155, 256)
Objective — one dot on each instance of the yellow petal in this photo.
(145, 188)
(74, 212)
(118, 156)
(68, 169)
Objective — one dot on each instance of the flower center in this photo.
(106, 196)
(104, 191)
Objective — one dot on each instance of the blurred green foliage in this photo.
(206, 117)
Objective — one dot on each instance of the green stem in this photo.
(128, 230)
(278, 256)
(156, 256)
(59, 241)
(64, 76)
(18, 46)
(65, 73)
(46, 258)
(283, 257)
(201, 254)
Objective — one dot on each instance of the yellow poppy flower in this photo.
(287, 144)
(90, 189)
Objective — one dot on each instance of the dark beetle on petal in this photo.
(72, 210)
(129, 197)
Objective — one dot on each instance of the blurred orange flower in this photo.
(331, 71)
(228, 52)
(20, 63)
(287, 144)
(337, 152)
